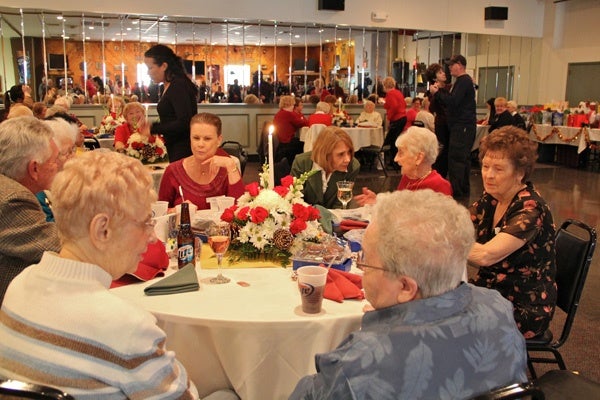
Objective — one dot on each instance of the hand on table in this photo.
(367, 197)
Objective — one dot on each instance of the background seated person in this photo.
(503, 117)
(333, 157)
(321, 115)
(369, 117)
(417, 151)
(28, 164)
(135, 120)
(518, 120)
(208, 172)
(287, 123)
(515, 231)
(428, 334)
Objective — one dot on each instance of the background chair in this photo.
(91, 143)
(237, 150)
(566, 385)
(311, 136)
(17, 389)
(574, 250)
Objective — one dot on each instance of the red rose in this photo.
(314, 214)
(297, 226)
(287, 180)
(253, 189)
(159, 151)
(300, 211)
(228, 214)
(243, 213)
(281, 190)
(258, 214)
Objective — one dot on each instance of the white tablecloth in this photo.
(253, 339)
(567, 133)
(361, 137)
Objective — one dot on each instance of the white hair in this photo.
(417, 140)
(63, 131)
(424, 235)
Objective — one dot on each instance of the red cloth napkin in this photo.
(154, 262)
(348, 224)
(343, 285)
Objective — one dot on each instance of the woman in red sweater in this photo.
(395, 108)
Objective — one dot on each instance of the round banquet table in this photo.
(361, 137)
(253, 339)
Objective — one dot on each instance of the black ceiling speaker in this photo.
(496, 13)
(334, 5)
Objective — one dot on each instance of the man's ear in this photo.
(409, 289)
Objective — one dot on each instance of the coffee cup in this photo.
(311, 284)
(159, 208)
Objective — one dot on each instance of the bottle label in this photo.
(185, 254)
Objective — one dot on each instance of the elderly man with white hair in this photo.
(429, 335)
(28, 164)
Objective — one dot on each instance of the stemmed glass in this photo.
(344, 193)
(219, 237)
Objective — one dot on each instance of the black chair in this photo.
(566, 385)
(23, 390)
(91, 143)
(374, 154)
(574, 251)
(237, 150)
(515, 391)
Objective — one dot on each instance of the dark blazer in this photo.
(25, 234)
(313, 187)
(502, 119)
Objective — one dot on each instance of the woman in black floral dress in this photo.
(514, 247)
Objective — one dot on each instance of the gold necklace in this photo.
(417, 183)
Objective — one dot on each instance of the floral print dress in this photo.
(527, 276)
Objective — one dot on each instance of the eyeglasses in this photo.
(148, 224)
(360, 265)
(67, 153)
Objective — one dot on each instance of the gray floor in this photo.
(570, 193)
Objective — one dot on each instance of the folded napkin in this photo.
(154, 262)
(348, 224)
(326, 218)
(184, 280)
(343, 285)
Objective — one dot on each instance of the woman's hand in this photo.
(367, 197)
(216, 162)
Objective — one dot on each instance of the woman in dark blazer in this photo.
(333, 157)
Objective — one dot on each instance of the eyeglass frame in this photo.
(361, 265)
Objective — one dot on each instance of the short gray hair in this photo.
(23, 139)
(424, 235)
(417, 140)
(63, 131)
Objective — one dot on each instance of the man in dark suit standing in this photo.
(462, 122)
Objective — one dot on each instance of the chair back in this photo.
(526, 390)
(237, 150)
(573, 258)
(24, 390)
(311, 136)
(91, 143)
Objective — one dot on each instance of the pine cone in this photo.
(283, 239)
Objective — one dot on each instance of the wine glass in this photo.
(344, 193)
(219, 237)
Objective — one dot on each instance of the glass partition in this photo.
(267, 58)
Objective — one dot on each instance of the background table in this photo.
(253, 339)
(106, 143)
(361, 137)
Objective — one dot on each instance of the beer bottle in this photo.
(185, 238)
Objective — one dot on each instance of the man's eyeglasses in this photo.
(360, 265)
(69, 152)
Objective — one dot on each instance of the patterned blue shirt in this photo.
(453, 346)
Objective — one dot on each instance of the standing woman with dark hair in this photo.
(178, 103)
(17, 96)
(436, 74)
(395, 107)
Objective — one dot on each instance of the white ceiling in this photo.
(169, 30)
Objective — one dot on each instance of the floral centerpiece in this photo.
(109, 123)
(272, 224)
(146, 149)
